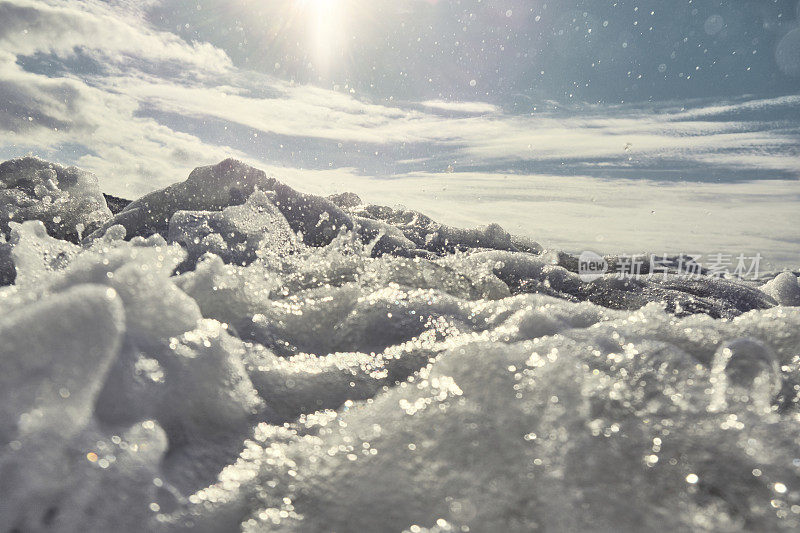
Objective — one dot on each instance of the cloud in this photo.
(98, 28)
(478, 108)
(757, 105)
(46, 112)
(628, 136)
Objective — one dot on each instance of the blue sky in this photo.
(355, 94)
(516, 51)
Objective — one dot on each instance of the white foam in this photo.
(321, 388)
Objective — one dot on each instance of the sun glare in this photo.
(325, 30)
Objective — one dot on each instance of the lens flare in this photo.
(325, 31)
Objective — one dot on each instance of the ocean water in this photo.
(284, 364)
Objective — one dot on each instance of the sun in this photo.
(326, 30)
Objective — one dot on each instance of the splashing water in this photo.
(284, 364)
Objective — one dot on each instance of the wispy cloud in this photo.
(477, 108)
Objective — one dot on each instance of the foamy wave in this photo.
(230, 354)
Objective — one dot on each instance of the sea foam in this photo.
(231, 354)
